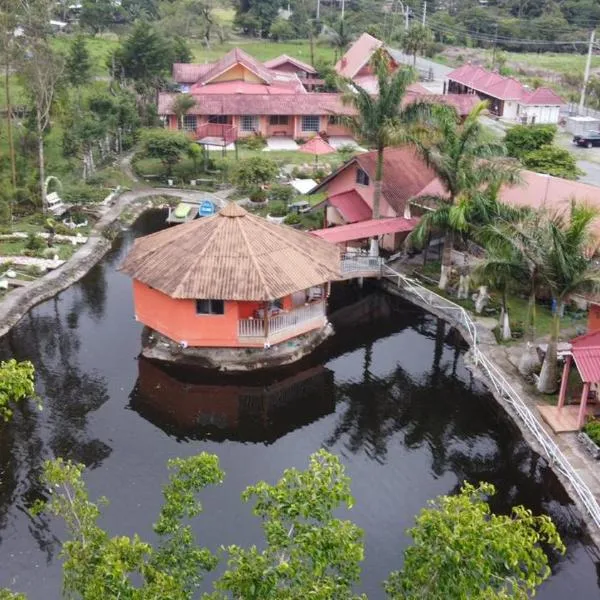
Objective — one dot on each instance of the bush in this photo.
(293, 219)
(278, 209)
(254, 172)
(522, 139)
(592, 428)
(552, 160)
(258, 195)
(34, 243)
(83, 194)
(253, 142)
(281, 193)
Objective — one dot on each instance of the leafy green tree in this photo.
(462, 550)
(416, 39)
(16, 385)
(252, 172)
(182, 104)
(78, 65)
(282, 30)
(166, 145)
(522, 139)
(381, 121)
(466, 160)
(98, 15)
(566, 243)
(257, 14)
(552, 160)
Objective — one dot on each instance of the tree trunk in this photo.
(446, 260)
(40, 140)
(415, 59)
(11, 144)
(504, 323)
(548, 380)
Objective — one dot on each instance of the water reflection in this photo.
(189, 405)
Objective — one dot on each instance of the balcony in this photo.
(284, 325)
(358, 265)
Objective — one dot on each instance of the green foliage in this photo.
(552, 160)
(78, 64)
(256, 16)
(254, 171)
(7, 595)
(416, 40)
(282, 29)
(16, 384)
(34, 242)
(166, 145)
(462, 550)
(281, 193)
(293, 219)
(277, 209)
(309, 553)
(592, 428)
(256, 141)
(522, 139)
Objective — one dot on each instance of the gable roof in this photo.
(233, 255)
(284, 58)
(543, 96)
(237, 57)
(190, 72)
(358, 55)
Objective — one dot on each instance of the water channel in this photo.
(389, 394)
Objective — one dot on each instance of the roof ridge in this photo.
(266, 287)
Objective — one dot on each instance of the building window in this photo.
(249, 123)
(210, 307)
(190, 122)
(218, 119)
(361, 177)
(184, 88)
(311, 123)
(278, 120)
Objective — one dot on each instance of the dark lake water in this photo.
(389, 394)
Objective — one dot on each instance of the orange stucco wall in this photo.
(177, 319)
(238, 73)
(593, 317)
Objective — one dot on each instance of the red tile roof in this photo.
(351, 206)
(488, 82)
(246, 87)
(259, 104)
(358, 55)
(237, 57)
(543, 96)
(189, 72)
(274, 63)
(365, 229)
(586, 352)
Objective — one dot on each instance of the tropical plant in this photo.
(567, 246)
(182, 104)
(308, 551)
(16, 384)
(522, 139)
(462, 550)
(166, 145)
(254, 171)
(471, 167)
(552, 160)
(416, 39)
(381, 121)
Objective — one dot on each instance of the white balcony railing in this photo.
(285, 321)
(356, 263)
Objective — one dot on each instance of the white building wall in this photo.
(540, 114)
(510, 110)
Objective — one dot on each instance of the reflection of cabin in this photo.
(233, 280)
(262, 412)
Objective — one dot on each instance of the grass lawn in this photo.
(99, 48)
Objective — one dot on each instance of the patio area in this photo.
(278, 143)
(565, 419)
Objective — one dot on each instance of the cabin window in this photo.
(218, 119)
(311, 123)
(249, 123)
(210, 307)
(361, 177)
(190, 122)
(278, 120)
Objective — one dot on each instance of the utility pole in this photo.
(586, 76)
(343, 8)
(424, 13)
(494, 49)
(318, 10)
(406, 13)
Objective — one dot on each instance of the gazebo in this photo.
(585, 353)
(233, 280)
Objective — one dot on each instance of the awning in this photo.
(586, 353)
(365, 229)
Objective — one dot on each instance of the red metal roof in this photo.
(586, 352)
(543, 96)
(365, 229)
(351, 206)
(190, 73)
(488, 82)
(274, 63)
(246, 87)
(260, 104)
(358, 55)
(237, 57)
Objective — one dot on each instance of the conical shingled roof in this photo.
(233, 255)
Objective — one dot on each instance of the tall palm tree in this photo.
(380, 120)
(471, 166)
(567, 241)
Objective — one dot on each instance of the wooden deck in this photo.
(565, 419)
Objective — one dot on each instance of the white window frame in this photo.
(190, 123)
(313, 119)
(249, 123)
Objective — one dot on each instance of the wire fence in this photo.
(504, 389)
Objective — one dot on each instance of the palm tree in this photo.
(182, 104)
(416, 40)
(471, 167)
(567, 242)
(380, 120)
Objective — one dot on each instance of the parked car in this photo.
(588, 139)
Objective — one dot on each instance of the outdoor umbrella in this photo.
(317, 146)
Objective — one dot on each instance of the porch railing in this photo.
(217, 130)
(255, 328)
(352, 263)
